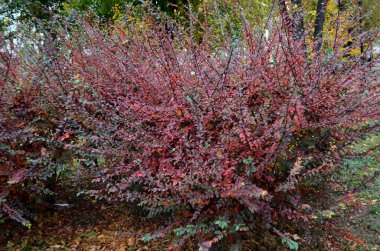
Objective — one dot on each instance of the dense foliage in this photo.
(218, 134)
(32, 155)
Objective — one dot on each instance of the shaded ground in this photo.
(359, 211)
(84, 225)
(351, 222)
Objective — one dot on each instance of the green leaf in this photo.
(147, 237)
(328, 214)
(248, 161)
(61, 170)
(90, 235)
(10, 244)
(293, 245)
(80, 193)
(76, 163)
(237, 227)
(222, 223)
(142, 203)
(180, 231)
(101, 161)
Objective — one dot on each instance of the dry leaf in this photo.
(130, 242)
(297, 167)
(372, 202)
(122, 248)
(296, 237)
(102, 238)
(264, 193)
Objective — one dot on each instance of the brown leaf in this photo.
(102, 238)
(122, 247)
(296, 237)
(179, 112)
(297, 167)
(75, 243)
(264, 193)
(130, 242)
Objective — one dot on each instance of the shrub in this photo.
(34, 138)
(217, 133)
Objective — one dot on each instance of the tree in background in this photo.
(107, 10)
(298, 20)
(13, 10)
(319, 22)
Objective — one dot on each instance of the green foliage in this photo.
(147, 238)
(293, 245)
(222, 222)
(372, 10)
(238, 227)
(375, 210)
(12, 11)
(192, 229)
(105, 9)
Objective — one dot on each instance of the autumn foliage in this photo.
(217, 133)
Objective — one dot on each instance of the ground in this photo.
(359, 210)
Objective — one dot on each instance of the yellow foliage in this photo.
(116, 13)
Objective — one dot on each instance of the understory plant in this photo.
(215, 133)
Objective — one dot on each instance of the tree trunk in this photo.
(287, 22)
(299, 32)
(295, 25)
(341, 5)
(319, 22)
(360, 9)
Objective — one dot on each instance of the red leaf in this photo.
(65, 136)
(206, 244)
(18, 176)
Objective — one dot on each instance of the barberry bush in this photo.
(36, 138)
(216, 127)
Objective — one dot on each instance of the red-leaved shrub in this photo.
(33, 134)
(217, 133)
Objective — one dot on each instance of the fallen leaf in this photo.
(54, 247)
(102, 238)
(75, 243)
(90, 235)
(122, 247)
(372, 202)
(130, 242)
(296, 237)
